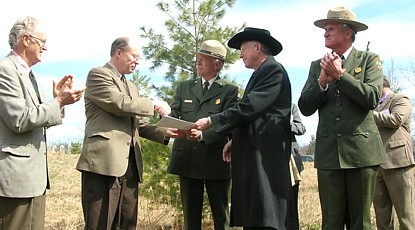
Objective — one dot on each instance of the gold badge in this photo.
(188, 101)
(378, 63)
(217, 102)
(358, 70)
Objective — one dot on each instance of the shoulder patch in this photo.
(378, 63)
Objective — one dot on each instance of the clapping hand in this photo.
(64, 93)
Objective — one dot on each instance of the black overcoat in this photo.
(261, 148)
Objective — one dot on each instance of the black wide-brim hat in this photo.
(255, 34)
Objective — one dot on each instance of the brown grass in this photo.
(64, 211)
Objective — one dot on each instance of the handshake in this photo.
(161, 107)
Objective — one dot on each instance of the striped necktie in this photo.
(34, 83)
(343, 59)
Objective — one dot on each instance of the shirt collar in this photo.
(384, 96)
(22, 62)
(119, 74)
(346, 54)
(210, 81)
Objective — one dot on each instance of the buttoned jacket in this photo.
(23, 122)
(347, 135)
(201, 160)
(114, 122)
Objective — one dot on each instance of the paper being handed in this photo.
(171, 122)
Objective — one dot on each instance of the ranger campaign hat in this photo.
(214, 49)
(341, 15)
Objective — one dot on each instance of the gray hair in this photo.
(119, 43)
(354, 31)
(265, 49)
(24, 25)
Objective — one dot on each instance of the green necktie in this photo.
(34, 83)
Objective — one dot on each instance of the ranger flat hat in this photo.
(214, 49)
(255, 34)
(342, 15)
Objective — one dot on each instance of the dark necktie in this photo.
(205, 87)
(124, 81)
(343, 59)
(34, 83)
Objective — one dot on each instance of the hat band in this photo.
(212, 54)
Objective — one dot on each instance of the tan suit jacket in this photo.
(393, 121)
(23, 123)
(395, 181)
(114, 122)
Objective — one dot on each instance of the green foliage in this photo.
(142, 82)
(190, 23)
(76, 148)
(157, 182)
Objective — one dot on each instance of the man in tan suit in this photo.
(24, 116)
(395, 186)
(111, 161)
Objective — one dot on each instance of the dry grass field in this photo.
(63, 210)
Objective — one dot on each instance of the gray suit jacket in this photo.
(23, 119)
(114, 120)
(393, 121)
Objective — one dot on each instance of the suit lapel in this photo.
(117, 79)
(197, 88)
(386, 104)
(352, 62)
(27, 84)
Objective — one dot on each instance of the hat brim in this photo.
(214, 56)
(247, 35)
(359, 26)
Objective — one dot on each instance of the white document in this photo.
(171, 122)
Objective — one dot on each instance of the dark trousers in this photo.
(192, 190)
(294, 223)
(22, 213)
(346, 197)
(111, 202)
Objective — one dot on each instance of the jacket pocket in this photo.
(396, 144)
(22, 151)
(97, 133)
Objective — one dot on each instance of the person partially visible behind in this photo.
(197, 156)
(345, 86)
(25, 114)
(260, 148)
(111, 162)
(296, 165)
(395, 184)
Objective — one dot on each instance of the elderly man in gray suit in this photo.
(24, 116)
(395, 188)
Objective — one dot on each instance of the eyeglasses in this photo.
(40, 42)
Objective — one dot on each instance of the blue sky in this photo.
(80, 34)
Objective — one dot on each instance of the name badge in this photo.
(188, 101)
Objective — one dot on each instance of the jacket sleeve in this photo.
(397, 114)
(312, 96)
(104, 91)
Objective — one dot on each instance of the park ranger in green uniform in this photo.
(344, 87)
